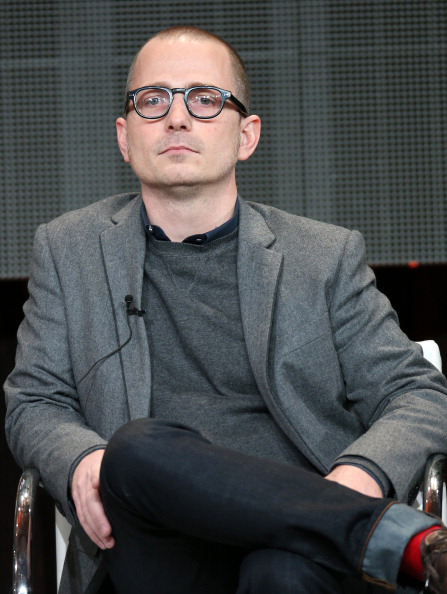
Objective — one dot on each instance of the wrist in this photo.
(357, 479)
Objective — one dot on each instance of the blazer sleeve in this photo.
(45, 427)
(399, 396)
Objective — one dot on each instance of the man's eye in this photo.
(205, 100)
(150, 101)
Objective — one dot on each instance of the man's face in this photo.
(179, 150)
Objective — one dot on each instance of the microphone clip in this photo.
(133, 311)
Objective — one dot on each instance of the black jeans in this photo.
(189, 517)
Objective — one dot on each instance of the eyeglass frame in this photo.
(226, 95)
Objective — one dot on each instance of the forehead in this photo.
(183, 61)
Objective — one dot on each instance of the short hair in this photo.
(240, 76)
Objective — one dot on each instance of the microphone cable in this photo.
(130, 311)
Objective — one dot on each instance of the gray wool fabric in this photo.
(201, 374)
(332, 366)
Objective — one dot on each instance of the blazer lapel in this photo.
(124, 248)
(258, 273)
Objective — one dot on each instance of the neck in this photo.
(189, 213)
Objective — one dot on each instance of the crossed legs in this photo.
(190, 517)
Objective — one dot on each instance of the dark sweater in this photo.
(200, 368)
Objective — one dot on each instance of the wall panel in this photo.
(352, 94)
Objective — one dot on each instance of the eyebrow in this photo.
(187, 85)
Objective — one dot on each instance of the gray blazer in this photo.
(330, 361)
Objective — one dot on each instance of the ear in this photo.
(121, 133)
(250, 133)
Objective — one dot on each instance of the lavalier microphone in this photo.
(132, 311)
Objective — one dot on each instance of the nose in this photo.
(178, 117)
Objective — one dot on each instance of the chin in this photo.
(181, 179)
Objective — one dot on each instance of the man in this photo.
(249, 348)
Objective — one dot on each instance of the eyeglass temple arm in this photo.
(238, 104)
(129, 97)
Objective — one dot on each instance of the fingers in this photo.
(87, 499)
(93, 519)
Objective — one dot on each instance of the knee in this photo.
(142, 443)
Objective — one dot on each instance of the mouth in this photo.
(177, 149)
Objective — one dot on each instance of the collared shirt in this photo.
(198, 239)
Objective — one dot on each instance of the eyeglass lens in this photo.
(154, 103)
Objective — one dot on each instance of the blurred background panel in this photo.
(352, 95)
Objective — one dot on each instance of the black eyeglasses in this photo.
(204, 103)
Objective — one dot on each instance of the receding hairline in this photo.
(240, 77)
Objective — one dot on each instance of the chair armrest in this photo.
(434, 488)
(431, 352)
(25, 502)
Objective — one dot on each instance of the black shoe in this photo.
(434, 560)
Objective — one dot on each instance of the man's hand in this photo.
(355, 478)
(87, 498)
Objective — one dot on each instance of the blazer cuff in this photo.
(371, 468)
(71, 473)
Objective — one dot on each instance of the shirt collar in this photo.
(198, 239)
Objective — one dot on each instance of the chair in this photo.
(27, 493)
(431, 498)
